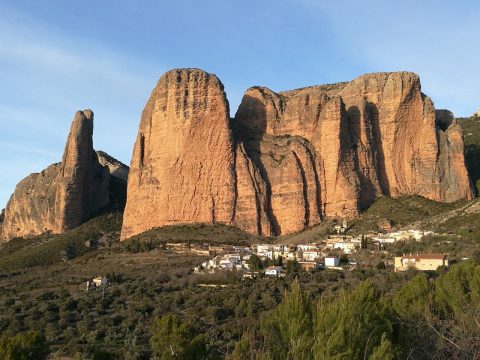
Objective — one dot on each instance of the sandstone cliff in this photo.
(182, 168)
(288, 159)
(66, 194)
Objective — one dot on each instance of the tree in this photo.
(174, 339)
(458, 287)
(293, 267)
(413, 300)
(24, 346)
(344, 259)
(364, 242)
(384, 351)
(244, 348)
(441, 318)
(279, 261)
(288, 330)
(254, 263)
(353, 325)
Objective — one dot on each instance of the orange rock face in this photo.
(64, 195)
(182, 169)
(288, 159)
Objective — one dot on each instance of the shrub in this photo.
(23, 346)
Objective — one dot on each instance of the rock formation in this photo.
(118, 179)
(288, 159)
(182, 168)
(66, 194)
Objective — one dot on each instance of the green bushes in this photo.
(354, 325)
(287, 331)
(174, 339)
(48, 249)
(424, 319)
(188, 233)
(23, 346)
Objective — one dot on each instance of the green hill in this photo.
(48, 249)
(471, 133)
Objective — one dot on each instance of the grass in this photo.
(189, 233)
(38, 290)
(401, 212)
(48, 249)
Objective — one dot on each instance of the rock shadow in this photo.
(372, 125)
(249, 127)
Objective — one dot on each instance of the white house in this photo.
(332, 261)
(280, 248)
(307, 247)
(347, 246)
(241, 249)
(274, 271)
(264, 248)
(229, 261)
(384, 239)
(311, 255)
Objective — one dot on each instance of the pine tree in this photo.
(288, 330)
(173, 339)
(352, 325)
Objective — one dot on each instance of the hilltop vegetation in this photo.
(471, 136)
(154, 304)
(154, 301)
(189, 233)
(48, 249)
(427, 318)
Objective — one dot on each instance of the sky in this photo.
(60, 56)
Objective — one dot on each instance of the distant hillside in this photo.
(471, 133)
(190, 233)
(399, 212)
(48, 249)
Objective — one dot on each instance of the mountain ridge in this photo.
(289, 159)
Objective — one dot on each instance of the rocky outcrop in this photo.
(454, 181)
(118, 180)
(65, 194)
(288, 159)
(182, 169)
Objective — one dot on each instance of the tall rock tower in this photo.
(65, 194)
(182, 170)
(287, 160)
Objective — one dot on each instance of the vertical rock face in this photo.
(454, 181)
(182, 169)
(64, 195)
(82, 181)
(288, 159)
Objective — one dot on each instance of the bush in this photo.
(23, 346)
(173, 339)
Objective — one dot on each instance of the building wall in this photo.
(402, 264)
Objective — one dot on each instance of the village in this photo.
(337, 251)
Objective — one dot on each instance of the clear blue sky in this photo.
(58, 56)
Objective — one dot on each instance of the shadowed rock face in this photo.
(66, 194)
(288, 159)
